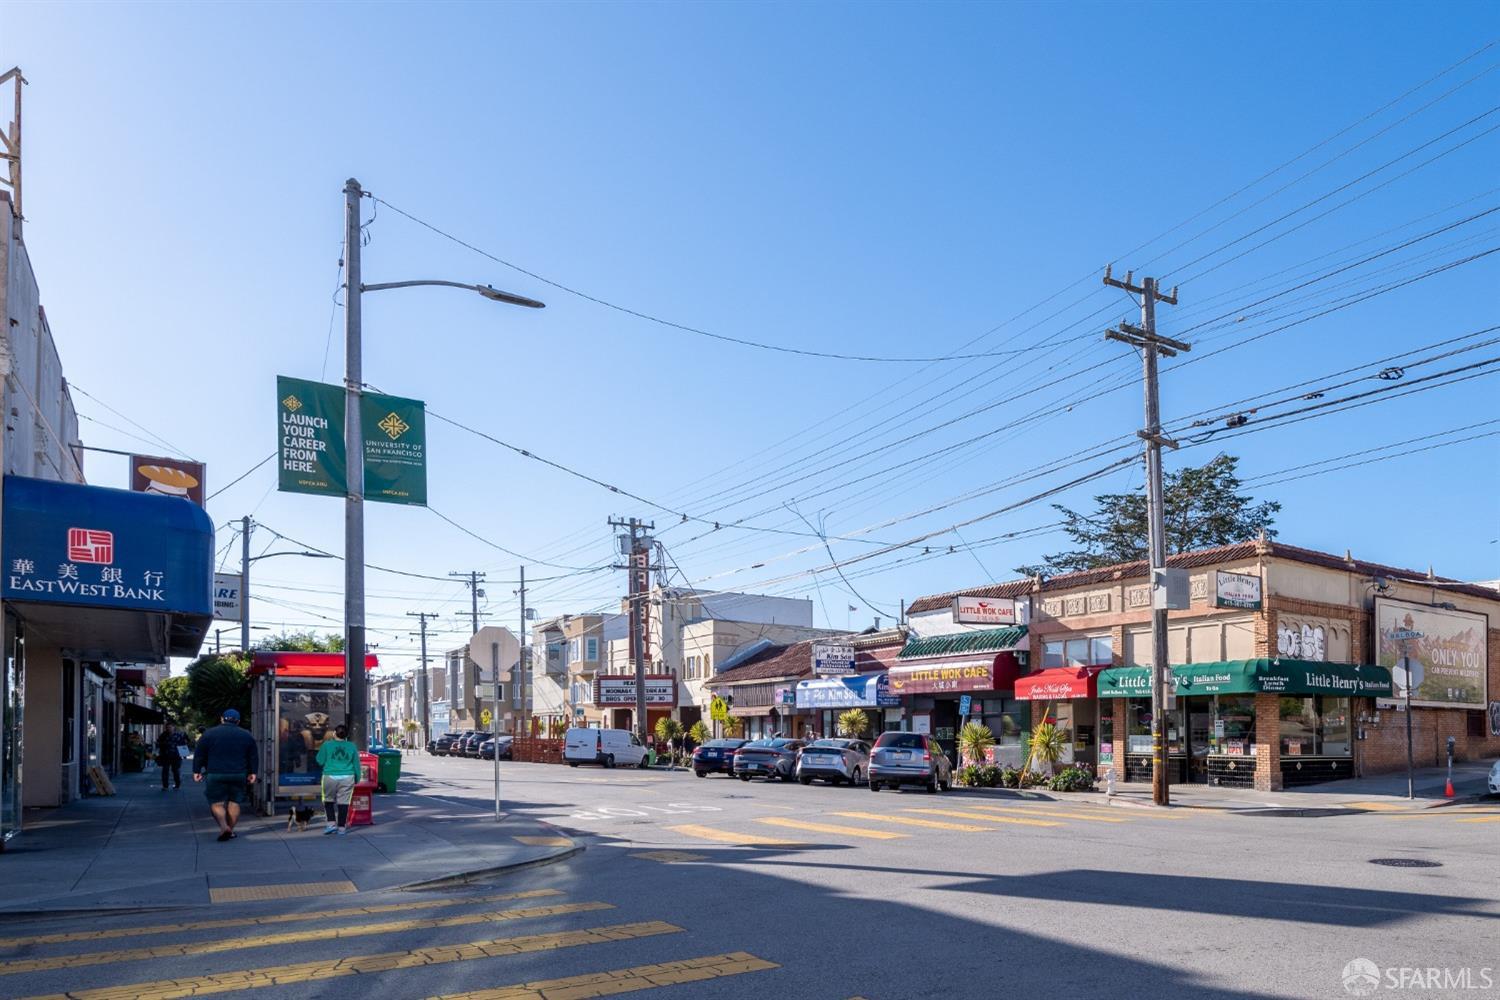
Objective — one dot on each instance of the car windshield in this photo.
(901, 741)
(783, 744)
(762, 743)
(725, 744)
(829, 745)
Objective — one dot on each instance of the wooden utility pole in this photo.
(424, 712)
(1145, 339)
(637, 549)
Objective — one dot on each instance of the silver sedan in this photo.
(835, 761)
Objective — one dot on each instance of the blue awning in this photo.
(853, 691)
(107, 574)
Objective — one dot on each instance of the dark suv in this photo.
(909, 759)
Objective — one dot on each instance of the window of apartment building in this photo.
(591, 649)
(1089, 651)
(573, 651)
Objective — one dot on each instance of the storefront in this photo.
(932, 676)
(1237, 722)
(615, 696)
(826, 698)
(92, 577)
(1069, 696)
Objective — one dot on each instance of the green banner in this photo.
(1276, 676)
(395, 433)
(311, 455)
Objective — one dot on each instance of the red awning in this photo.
(987, 672)
(1059, 682)
(288, 663)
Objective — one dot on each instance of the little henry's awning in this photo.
(1271, 676)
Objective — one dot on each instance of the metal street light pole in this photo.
(357, 693)
(245, 524)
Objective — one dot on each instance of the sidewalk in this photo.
(147, 848)
(1374, 794)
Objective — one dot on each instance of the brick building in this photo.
(1290, 665)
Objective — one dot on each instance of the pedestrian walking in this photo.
(339, 759)
(225, 764)
(171, 747)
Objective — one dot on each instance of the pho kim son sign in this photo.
(984, 611)
(831, 659)
(1448, 663)
(312, 457)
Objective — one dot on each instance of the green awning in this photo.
(993, 640)
(1270, 676)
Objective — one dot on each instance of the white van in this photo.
(609, 747)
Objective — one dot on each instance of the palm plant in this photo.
(853, 723)
(974, 740)
(1048, 743)
(699, 733)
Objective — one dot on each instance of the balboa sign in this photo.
(984, 611)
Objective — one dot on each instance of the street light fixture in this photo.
(355, 682)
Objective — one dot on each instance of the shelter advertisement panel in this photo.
(1441, 653)
(304, 720)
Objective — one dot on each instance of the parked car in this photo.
(772, 758)
(487, 748)
(716, 757)
(835, 761)
(606, 747)
(442, 746)
(909, 759)
(469, 747)
(1495, 779)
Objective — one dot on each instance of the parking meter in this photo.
(1451, 741)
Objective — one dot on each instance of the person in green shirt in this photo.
(339, 759)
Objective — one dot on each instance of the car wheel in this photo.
(805, 779)
(744, 777)
(701, 774)
(642, 765)
(854, 778)
(609, 760)
(932, 784)
(874, 786)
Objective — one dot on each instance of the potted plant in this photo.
(853, 724)
(974, 741)
(1048, 744)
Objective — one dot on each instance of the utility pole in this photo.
(638, 550)
(1145, 339)
(523, 667)
(245, 525)
(356, 691)
(472, 579)
(423, 711)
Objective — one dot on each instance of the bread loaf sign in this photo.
(169, 477)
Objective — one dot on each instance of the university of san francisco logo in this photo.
(393, 426)
(292, 403)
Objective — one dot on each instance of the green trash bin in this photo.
(388, 770)
(650, 758)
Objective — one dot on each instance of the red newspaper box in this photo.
(362, 805)
(369, 766)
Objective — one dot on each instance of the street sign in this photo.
(1404, 634)
(484, 718)
(479, 652)
(964, 701)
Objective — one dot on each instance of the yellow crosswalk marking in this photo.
(1056, 813)
(322, 916)
(290, 937)
(668, 857)
(641, 977)
(1480, 819)
(545, 841)
(986, 817)
(724, 836)
(306, 972)
(843, 831)
(931, 824)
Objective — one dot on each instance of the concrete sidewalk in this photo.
(1373, 794)
(147, 848)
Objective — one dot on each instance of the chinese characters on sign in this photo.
(984, 611)
(831, 659)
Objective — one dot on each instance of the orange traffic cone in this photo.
(1448, 789)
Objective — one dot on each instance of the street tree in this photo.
(301, 642)
(216, 684)
(172, 700)
(1203, 507)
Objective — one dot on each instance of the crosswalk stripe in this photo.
(322, 916)
(725, 837)
(842, 831)
(1048, 812)
(1480, 819)
(305, 972)
(985, 817)
(641, 977)
(931, 824)
(291, 937)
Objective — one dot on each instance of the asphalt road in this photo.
(708, 888)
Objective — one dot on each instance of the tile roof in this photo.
(987, 641)
(793, 660)
(1194, 560)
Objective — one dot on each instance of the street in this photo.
(720, 888)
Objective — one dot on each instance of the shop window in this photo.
(1138, 717)
(1106, 732)
(1082, 652)
(1233, 725)
(1315, 726)
(1101, 650)
(591, 649)
(1052, 654)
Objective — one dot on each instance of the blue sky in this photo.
(892, 180)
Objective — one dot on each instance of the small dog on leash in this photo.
(300, 815)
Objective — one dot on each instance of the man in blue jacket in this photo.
(225, 762)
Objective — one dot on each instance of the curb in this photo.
(10, 916)
(465, 877)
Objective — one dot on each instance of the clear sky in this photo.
(890, 180)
